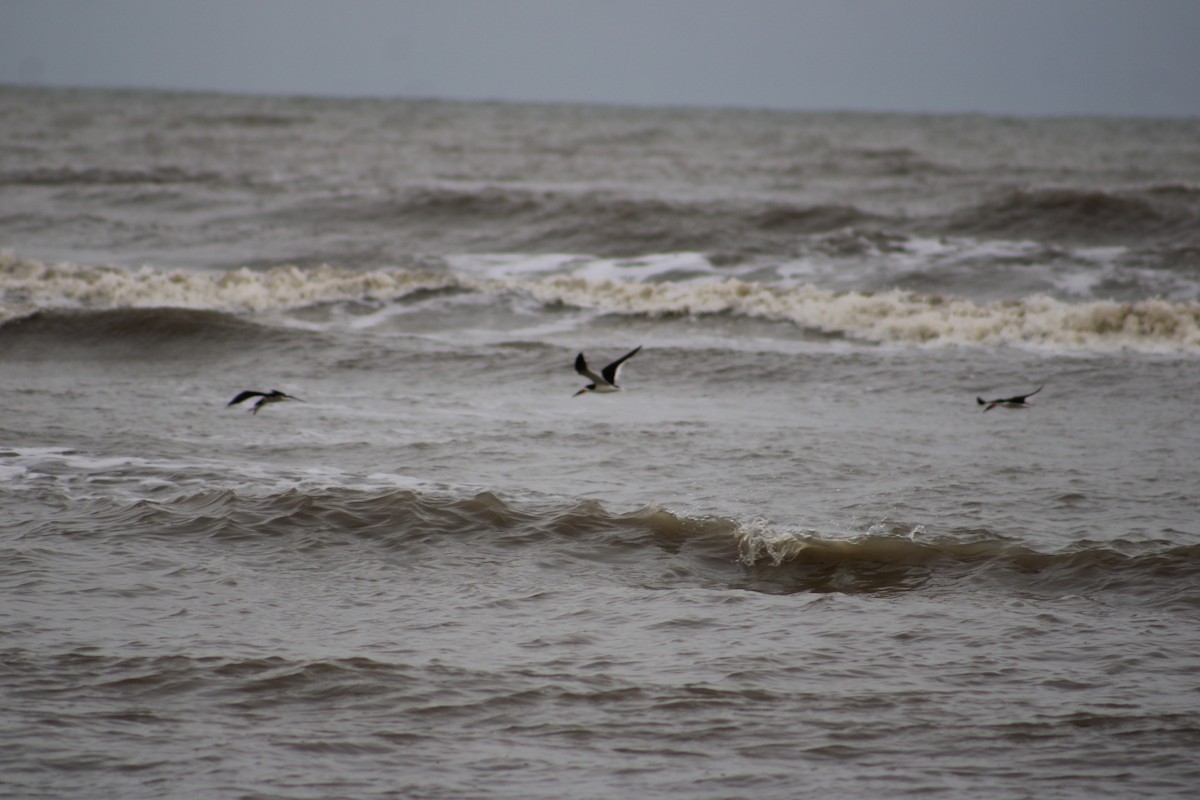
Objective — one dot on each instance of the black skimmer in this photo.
(1007, 402)
(273, 396)
(606, 381)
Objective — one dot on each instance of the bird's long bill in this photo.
(581, 391)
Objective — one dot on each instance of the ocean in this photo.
(793, 556)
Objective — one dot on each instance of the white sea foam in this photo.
(903, 317)
(27, 285)
(675, 267)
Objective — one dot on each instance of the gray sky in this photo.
(1123, 57)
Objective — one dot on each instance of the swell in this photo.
(1153, 215)
(248, 682)
(612, 223)
(64, 176)
(650, 546)
(415, 524)
(603, 223)
(130, 333)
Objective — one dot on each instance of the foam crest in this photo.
(899, 316)
(27, 285)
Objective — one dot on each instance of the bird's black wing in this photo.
(243, 396)
(1021, 397)
(582, 368)
(610, 372)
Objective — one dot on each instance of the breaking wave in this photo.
(27, 285)
(906, 317)
(891, 317)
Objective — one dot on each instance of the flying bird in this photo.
(1008, 402)
(606, 381)
(264, 398)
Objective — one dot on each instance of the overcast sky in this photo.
(1122, 57)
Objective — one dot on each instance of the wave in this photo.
(247, 119)
(901, 561)
(892, 317)
(902, 317)
(106, 176)
(135, 332)
(1154, 213)
(650, 546)
(27, 285)
(616, 224)
(250, 682)
(602, 223)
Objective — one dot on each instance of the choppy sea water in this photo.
(793, 555)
